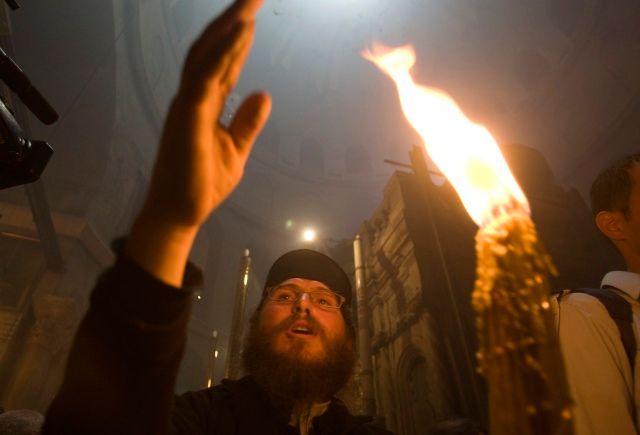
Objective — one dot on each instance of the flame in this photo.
(465, 152)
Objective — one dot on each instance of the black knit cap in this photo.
(309, 264)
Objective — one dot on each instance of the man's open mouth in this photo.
(301, 329)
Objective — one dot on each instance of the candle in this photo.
(518, 352)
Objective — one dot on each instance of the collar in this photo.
(628, 282)
(302, 418)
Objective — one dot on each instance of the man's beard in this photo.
(289, 377)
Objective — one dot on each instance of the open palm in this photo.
(200, 161)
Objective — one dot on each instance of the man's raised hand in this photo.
(200, 161)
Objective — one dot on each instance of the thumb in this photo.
(249, 120)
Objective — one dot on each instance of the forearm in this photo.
(161, 249)
(121, 370)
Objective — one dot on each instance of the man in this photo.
(599, 360)
(299, 352)
(122, 367)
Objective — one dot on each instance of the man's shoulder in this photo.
(354, 424)
(368, 426)
(602, 309)
(588, 300)
(221, 407)
(226, 391)
(372, 428)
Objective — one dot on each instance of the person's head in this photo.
(615, 201)
(21, 422)
(300, 345)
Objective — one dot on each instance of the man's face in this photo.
(301, 329)
(298, 351)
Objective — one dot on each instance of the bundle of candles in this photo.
(518, 349)
(519, 354)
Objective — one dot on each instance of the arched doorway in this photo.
(417, 412)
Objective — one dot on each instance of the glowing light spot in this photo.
(309, 235)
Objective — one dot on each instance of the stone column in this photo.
(364, 332)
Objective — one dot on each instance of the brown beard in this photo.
(289, 378)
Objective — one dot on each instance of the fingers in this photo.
(241, 11)
(214, 72)
(216, 59)
(245, 10)
(249, 120)
(224, 75)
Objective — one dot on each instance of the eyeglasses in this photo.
(324, 299)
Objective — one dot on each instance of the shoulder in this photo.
(582, 319)
(373, 429)
(370, 428)
(219, 395)
(582, 304)
(354, 424)
(197, 412)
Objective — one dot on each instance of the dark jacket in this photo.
(122, 369)
(243, 408)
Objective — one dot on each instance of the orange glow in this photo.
(465, 152)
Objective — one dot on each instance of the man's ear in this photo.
(612, 225)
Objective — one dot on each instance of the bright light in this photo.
(309, 235)
(465, 152)
(245, 279)
(215, 354)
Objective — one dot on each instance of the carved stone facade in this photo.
(419, 270)
(414, 379)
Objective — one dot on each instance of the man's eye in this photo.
(326, 300)
(283, 295)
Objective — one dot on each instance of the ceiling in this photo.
(561, 76)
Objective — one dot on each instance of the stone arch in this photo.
(416, 412)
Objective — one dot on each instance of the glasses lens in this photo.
(322, 299)
(283, 294)
(325, 299)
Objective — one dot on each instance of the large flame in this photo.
(465, 152)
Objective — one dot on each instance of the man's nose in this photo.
(303, 304)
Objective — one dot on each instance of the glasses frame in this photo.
(341, 299)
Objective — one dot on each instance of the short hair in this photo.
(611, 189)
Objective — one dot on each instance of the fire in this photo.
(465, 152)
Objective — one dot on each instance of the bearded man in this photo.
(299, 352)
(122, 367)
